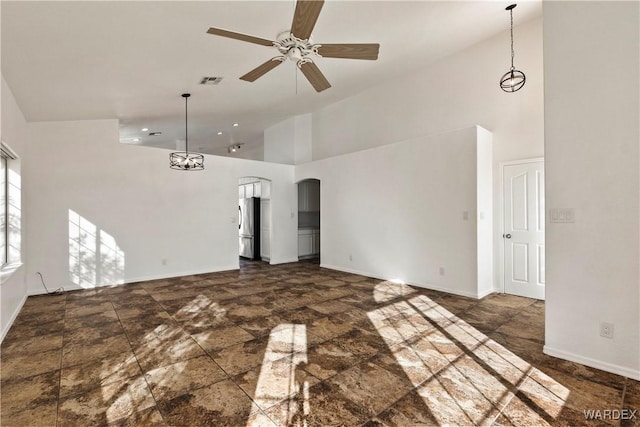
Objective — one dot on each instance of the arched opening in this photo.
(254, 219)
(309, 220)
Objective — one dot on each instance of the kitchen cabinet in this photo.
(248, 191)
(260, 189)
(309, 196)
(316, 242)
(265, 189)
(257, 189)
(308, 242)
(305, 243)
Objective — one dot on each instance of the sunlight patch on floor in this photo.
(200, 307)
(387, 291)
(127, 401)
(462, 375)
(277, 382)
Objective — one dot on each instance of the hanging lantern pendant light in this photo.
(183, 160)
(513, 79)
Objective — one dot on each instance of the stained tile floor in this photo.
(294, 345)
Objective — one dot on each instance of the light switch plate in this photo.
(562, 215)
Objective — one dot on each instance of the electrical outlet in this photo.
(350, 257)
(442, 271)
(606, 329)
(164, 261)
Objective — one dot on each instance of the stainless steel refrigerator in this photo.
(249, 227)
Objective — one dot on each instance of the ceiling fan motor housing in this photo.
(294, 48)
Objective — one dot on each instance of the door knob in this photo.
(507, 236)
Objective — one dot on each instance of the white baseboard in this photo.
(349, 270)
(419, 285)
(13, 318)
(182, 273)
(73, 287)
(598, 364)
(486, 293)
(282, 261)
(36, 292)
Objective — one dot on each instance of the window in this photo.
(4, 209)
(9, 208)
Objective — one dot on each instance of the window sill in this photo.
(9, 270)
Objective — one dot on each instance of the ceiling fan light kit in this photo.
(298, 46)
(512, 80)
(184, 160)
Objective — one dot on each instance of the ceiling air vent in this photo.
(210, 80)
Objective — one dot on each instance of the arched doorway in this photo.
(254, 219)
(309, 220)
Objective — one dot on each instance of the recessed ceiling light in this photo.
(144, 129)
(235, 125)
(220, 133)
(136, 139)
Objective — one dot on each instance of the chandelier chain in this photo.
(186, 125)
(512, 53)
(512, 80)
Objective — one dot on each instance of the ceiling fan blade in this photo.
(238, 36)
(350, 51)
(315, 76)
(261, 70)
(305, 17)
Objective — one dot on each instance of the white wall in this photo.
(304, 138)
(279, 142)
(397, 210)
(592, 137)
(290, 141)
(152, 212)
(458, 91)
(484, 211)
(13, 288)
(252, 153)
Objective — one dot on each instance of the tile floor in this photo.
(293, 345)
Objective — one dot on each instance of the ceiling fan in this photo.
(297, 46)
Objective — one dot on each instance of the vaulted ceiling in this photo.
(132, 60)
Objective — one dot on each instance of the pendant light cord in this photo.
(512, 80)
(186, 118)
(58, 291)
(512, 53)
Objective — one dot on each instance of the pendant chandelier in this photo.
(184, 160)
(513, 79)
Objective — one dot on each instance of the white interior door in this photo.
(524, 267)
